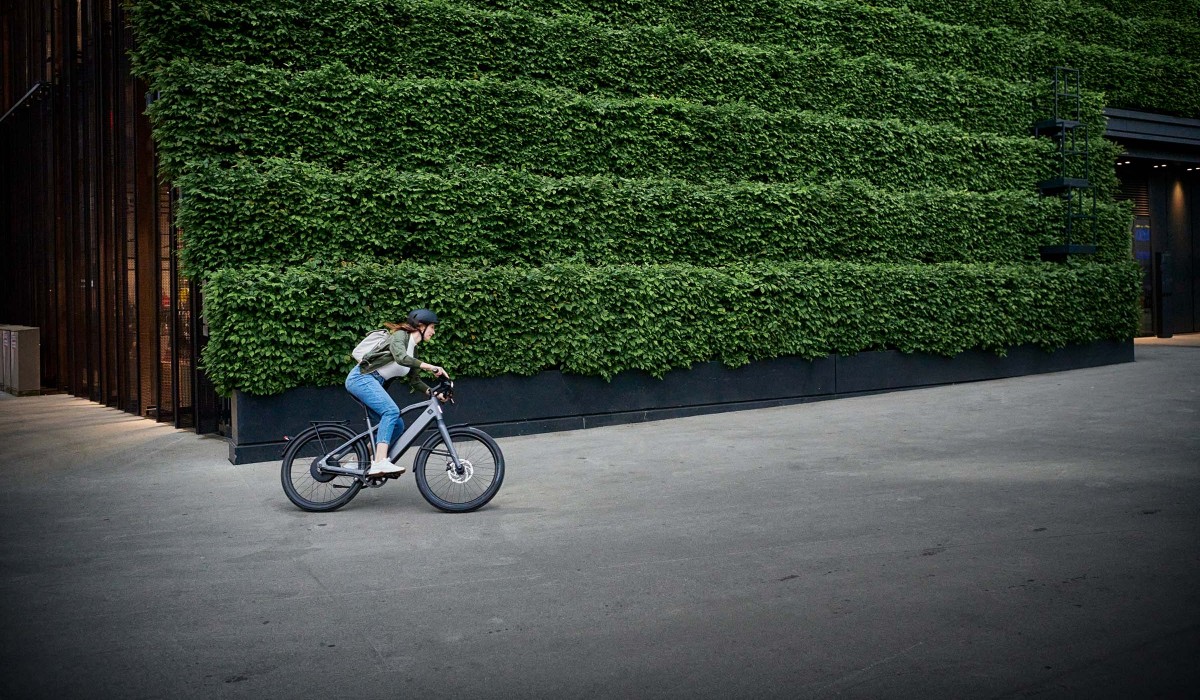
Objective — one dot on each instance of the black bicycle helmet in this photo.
(419, 316)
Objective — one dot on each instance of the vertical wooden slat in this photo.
(90, 249)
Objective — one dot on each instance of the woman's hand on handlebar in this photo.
(438, 371)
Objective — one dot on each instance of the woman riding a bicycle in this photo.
(394, 358)
(458, 468)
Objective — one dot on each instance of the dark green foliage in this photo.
(274, 329)
(332, 116)
(431, 39)
(628, 179)
(1153, 64)
(1166, 28)
(1186, 11)
(504, 217)
(1169, 84)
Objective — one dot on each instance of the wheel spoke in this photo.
(330, 491)
(482, 471)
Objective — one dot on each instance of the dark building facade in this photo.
(1160, 173)
(88, 245)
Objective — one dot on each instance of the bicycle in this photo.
(458, 468)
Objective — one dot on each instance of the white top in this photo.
(395, 369)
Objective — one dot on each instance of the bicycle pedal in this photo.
(375, 482)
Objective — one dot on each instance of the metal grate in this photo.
(1138, 192)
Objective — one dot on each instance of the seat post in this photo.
(367, 415)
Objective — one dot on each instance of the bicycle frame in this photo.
(432, 412)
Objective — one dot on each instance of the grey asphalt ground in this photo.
(1028, 537)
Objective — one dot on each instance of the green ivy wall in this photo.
(597, 186)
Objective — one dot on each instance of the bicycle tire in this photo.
(459, 493)
(304, 485)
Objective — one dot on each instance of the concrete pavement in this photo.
(1036, 536)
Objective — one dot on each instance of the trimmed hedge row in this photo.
(1187, 10)
(1154, 33)
(285, 212)
(441, 40)
(1155, 84)
(1134, 80)
(332, 116)
(1131, 79)
(273, 330)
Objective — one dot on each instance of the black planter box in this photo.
(550, 401)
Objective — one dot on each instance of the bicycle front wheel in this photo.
(305, 484)
(466, 486)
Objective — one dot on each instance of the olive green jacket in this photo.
(395, 350)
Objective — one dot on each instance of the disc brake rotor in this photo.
(460, 477)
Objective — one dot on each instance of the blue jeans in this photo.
(368, 388)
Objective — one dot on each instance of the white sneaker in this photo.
(385, 468)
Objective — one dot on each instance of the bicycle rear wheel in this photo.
(305, 484)
(463, 489)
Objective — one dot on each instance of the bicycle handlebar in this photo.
(445, 387)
